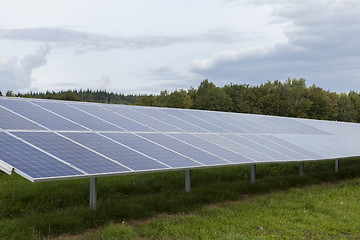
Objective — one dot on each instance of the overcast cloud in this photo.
(83, 41)
(147, 47)
(323, 46)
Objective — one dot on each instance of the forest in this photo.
(291, 98)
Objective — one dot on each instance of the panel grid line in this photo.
(199, 148)
(135, 150)
(109, 109)
(91, 150)
(47, 153)
(168, 149)
(71, 105)
(223, 147)
(157, 109)
(245, 147)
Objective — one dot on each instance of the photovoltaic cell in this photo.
(72, 153)
(79, 117)
(184, 149)
(209, 118)
(297, 126)
(247, 152)
(305, 152)
(12, 121)
(40, 115)
(110, 116)
(164, 117)
(310, 142)
(256, 145)
(227, 118)
(31, 161)
(247, 119)
(181, 114)
(115, 151)
(151, 149)
(144, 119)
(201, 143)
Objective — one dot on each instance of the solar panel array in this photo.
(46, 140)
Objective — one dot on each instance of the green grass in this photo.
(316, 212)
(279, 204)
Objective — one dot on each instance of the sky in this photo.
(142, 46)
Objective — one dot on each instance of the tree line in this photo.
(100, 96)
(291, 98)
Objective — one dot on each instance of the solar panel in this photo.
(212, 148)
(122, 154)
(49, 140)
(164, 117)
(31, 162)
(112, 117)
(255, 155)
(258, 144)
(13, 121)
(185, 149)
(144, 119)
(39, 115)
(154, 150)
(86, 120)
(183, 115)
(72, 153)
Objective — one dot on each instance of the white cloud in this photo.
(84, 42)
(102, 83)
(323, 46)
(15, 73)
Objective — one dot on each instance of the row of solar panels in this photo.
(48, 155)
(21, 114)
(46, 140)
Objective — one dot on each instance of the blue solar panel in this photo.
(212, 148)
(39, 115)
(119, 139)
(247, 152)
(270, 123)
(182, 114)
(185, 149)
(151, 149)
(164, 117)
(227, 117)
(297, 126)
(77, 116)
(309, 142)
(305, 152)
(258, 144)
(12, 121)
(110, 116)
(209, 117)
(144, 119)
(246, 119)
(115, 151)
(72, 153)
(287, 154)
(31, 161)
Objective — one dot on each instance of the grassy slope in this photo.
(30, 211)
(317, 212)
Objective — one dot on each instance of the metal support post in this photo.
(337, 165)
(301, 168)
(93, 193)
(253, 173)
(188, 181)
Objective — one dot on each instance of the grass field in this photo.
(223, 205)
